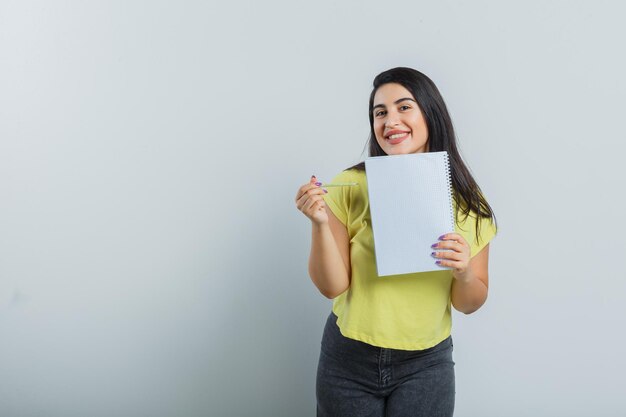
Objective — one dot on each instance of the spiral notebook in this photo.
(410, 200)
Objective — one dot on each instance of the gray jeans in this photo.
(358, 379)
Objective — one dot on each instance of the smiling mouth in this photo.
(397, 138)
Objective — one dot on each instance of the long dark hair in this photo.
(441, 137)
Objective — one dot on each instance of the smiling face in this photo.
(399, 125)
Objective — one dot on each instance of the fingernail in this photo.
(441, 237)
(312, 176)
(325, 190)
(318, 183)
(433, 253)
(438, 262)
(434, 245)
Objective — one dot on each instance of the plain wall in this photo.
(153, 262)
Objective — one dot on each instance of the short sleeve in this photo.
(338, 198)
(466, 227)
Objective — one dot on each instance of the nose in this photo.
(392, 119)
(391, 122)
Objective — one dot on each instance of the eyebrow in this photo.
(395, 102)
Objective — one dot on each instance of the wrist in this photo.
(464, 277)
(319, 225)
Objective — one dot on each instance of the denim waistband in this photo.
(334, 343)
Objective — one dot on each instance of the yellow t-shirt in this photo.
(408, 311)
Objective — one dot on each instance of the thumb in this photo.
(313, 178)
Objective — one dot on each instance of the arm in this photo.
(471, 277)
(470, 293)
(329, 261)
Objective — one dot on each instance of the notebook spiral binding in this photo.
(449, 181)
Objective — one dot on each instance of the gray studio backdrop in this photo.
(153, 262)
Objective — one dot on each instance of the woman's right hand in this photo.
(310, 201)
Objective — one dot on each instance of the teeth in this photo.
(397, 135)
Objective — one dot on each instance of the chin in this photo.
(399, 150)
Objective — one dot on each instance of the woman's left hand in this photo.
(457, 257)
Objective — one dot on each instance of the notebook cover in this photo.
(410, 199)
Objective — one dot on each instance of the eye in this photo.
(378, 113)
(405, 106)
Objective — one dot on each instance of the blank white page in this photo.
(410, 200)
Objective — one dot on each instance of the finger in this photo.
(315, 181)
(449, 244)
(311, 184)
(315, 207)
(302, 190)
(315, 191)
(302, 202)
(451, 264)
(453, 237)
(307, 206)
(320, 205)
(449, 255)
(309, 190)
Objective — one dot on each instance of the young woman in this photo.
(386, 348)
